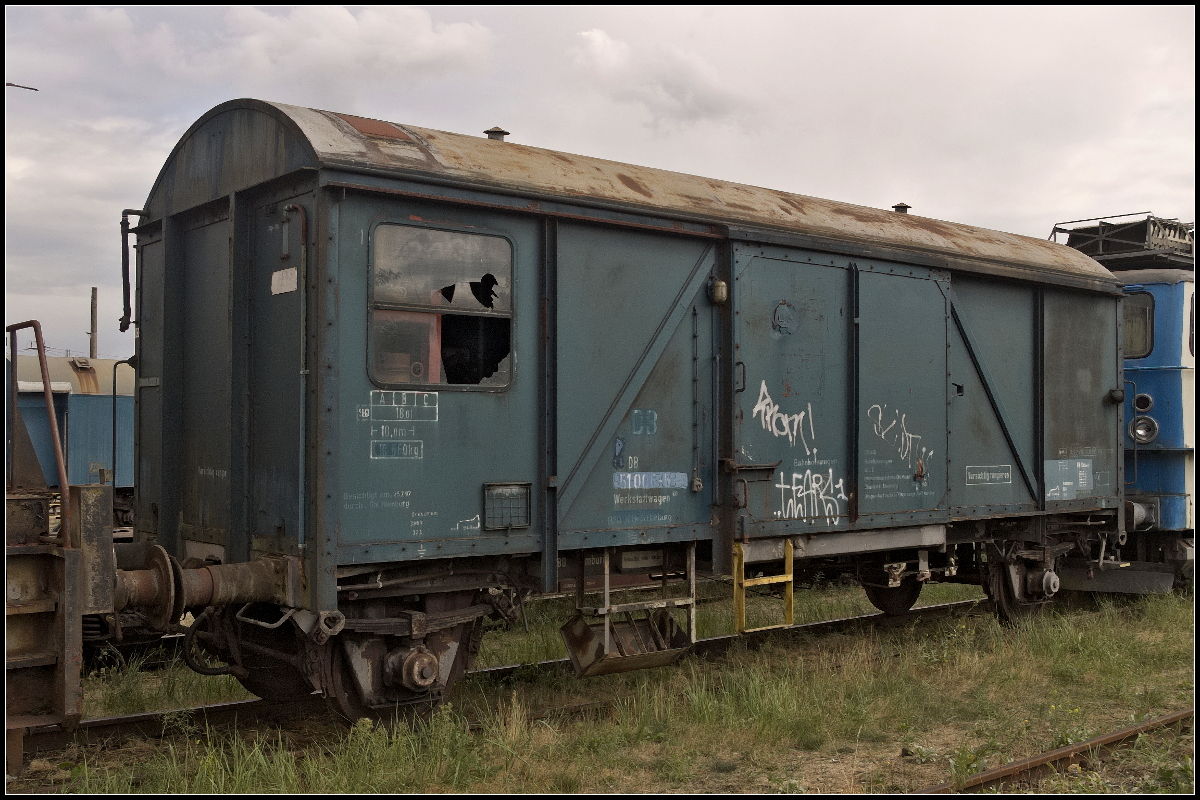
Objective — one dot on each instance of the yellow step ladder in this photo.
(741, 583)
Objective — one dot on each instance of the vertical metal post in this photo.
(739, 589)
(130, 361)
(691, 576)
(663, 578)
(302, 366)
(92, 347)
(607, 607)
(695, 402)
(170, 455)
(789, 598)
(853, 422)
(12, 404)
(1039, 397)
(581, 576)
(548, 406)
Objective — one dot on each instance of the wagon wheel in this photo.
(341, 693)
(894, 600)
(999, 588)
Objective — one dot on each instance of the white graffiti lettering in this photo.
(780, 424)
(893, 429)
(811, 494)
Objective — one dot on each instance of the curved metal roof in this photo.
(245, 142)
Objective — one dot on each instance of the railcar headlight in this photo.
(1143, 403)
(1143, 430)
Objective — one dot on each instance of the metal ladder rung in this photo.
(769, 579)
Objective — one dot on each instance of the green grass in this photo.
(128, 689)
(802, 713)
(714, 615)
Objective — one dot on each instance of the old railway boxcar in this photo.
(389, 376)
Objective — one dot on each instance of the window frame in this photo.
(1125, 326)
(372, 306)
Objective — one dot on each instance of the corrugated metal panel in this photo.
(308, 137)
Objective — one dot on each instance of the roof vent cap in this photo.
(901, 208)
(496, 133)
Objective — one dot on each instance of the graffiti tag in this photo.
(811, 494)
(781, 424)
(893, 429)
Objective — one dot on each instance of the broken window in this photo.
(441, 307)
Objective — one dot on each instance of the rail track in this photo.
(160, 723)
(1040, 766)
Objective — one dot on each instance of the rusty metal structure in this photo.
(391, 380)
(43, 649)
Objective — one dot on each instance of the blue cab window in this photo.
(1139, 324)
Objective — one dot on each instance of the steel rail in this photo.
(1039, 766)
(160, 723)
(717, 646)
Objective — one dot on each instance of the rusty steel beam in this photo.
(1044, 764)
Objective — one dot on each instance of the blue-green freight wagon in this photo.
(392, 380)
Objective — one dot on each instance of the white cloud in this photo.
(673, 85)
(326, 44)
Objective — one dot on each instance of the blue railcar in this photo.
(391, 378)
(86, 409)
(1155, 259)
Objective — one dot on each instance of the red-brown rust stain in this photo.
(634, 185)
(436, 221)
(740, 206)
(794, 202)
(88, 382)
(871, 216)
(374, 127)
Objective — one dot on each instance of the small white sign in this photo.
(283, 281)
(983, 476)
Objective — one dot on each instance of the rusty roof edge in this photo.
(727, 215)
(1109, 284)
(518, 190)
(328, 127)
(1102, 281)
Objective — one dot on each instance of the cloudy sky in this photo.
(1005, 118)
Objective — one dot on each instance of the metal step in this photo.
(623, 642)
